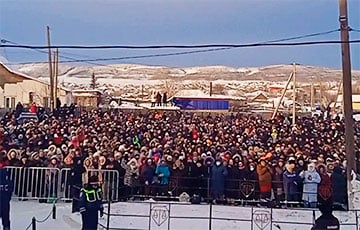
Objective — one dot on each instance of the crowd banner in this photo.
(35, 182)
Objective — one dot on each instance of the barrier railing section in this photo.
(34, 182)
(52, 183)
(148, 215)
(243, 191)
(48, 184)
(109, 180)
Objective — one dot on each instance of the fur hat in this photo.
(117, 154)
(133, 160)
(54, 157)
(169, 158)
(13, 151)
(34, 154)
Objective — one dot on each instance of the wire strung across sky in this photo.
(210, 48)
(306, 43)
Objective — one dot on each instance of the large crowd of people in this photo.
(220, 157)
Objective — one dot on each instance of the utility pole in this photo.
(50, 71)
(312, 96)
(294, 95)
(347, 100)
(282, 95)
(56, 73)
(211, 89)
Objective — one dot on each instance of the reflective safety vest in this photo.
(92, 195)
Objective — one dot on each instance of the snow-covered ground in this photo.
(160, 215)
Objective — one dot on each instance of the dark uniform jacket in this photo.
(90, 205)
(327, 222)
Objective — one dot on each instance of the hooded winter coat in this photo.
(163, 172)
(311, 179)
(264, 178)
(131, 172)
(218, 176)
(338, 185)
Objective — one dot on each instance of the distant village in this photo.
(224, 96)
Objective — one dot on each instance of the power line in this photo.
(133, 57)
(307, 43)
(91, 61)
(44, 52)
(303, 36)
(178, 53)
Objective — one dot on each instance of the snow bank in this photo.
(177, 216)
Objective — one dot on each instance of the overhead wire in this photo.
(217, 47)
(199, 46)
(45, 52)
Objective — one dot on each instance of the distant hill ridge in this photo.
(128, 71)
(133, 79)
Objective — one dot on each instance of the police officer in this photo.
(6, 189)
(327, 220)
(90, 204)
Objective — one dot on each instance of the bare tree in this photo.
(170, 87)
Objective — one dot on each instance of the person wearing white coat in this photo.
(311, 179)
(153, 99)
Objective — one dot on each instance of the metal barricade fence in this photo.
(66, 188)
(34, 182)
(110, 183)
(108, 178)
(52, 183)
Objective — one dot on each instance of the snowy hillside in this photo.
(136, 79)
(142, 72)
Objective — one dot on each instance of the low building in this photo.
(355, 102)
(257, 97)
(87, 97)
(18, 87)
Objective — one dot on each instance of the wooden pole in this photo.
(312, 96)
(56, 76)
(282, 96)
(50, 71)
(142, 92)
(211, 88)
(347, 100)
(294, 96)
(337, 95)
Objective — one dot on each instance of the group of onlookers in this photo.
(220, 157)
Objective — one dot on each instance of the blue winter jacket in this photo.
(165, 172)
(290, 182)
(218, 177)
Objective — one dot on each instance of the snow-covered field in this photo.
(158, 215)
